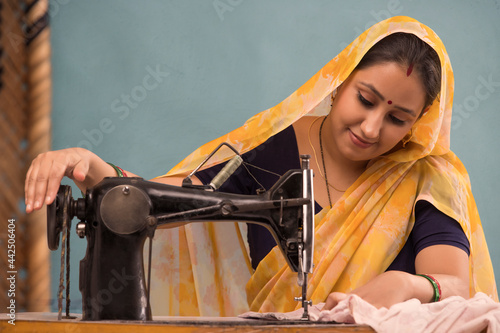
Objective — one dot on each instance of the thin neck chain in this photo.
(323, 160)
(312, 147)
(322, 173)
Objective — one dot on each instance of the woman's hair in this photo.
(411, 52)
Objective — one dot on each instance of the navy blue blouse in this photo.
(280, 154)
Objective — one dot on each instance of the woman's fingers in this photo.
(30, 185)
(80, 171)
(46, 172)
(52, 176)
(77, 173)
(42, 174)
(334, 299)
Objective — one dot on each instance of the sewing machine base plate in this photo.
(47, 322)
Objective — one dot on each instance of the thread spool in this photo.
(226, 171)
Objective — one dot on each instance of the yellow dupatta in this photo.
(364, 231)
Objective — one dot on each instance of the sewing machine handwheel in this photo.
(55, 216)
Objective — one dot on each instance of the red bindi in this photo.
(389, 102)
(410, 69)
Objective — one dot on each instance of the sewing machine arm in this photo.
(119, 214)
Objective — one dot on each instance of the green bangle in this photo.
(117, 169)
(435, 285)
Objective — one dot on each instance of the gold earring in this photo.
(407, 138)
(333, 96)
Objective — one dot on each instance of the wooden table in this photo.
(48, 323)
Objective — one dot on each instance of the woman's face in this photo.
(374, 109)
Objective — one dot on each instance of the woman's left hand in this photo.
(384, 290)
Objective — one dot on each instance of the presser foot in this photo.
(305, 306)
(302, 281)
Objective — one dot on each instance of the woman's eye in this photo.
(364, 100)
(395, 120)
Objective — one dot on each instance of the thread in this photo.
(226, 172)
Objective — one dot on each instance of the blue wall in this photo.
(218, 62)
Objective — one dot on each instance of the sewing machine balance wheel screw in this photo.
(151, 220)
(80, 229)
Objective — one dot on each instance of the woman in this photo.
(379, 140)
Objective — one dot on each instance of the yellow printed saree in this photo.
(202, 269)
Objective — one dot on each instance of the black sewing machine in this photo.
(119, 214)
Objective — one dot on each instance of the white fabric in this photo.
(454, 314)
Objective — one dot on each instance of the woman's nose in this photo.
(371, 126)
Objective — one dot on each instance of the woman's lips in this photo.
(360, 142)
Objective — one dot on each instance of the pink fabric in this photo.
(454, 314)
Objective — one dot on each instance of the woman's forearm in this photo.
(449, 285)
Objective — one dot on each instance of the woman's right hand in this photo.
(47, 170)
